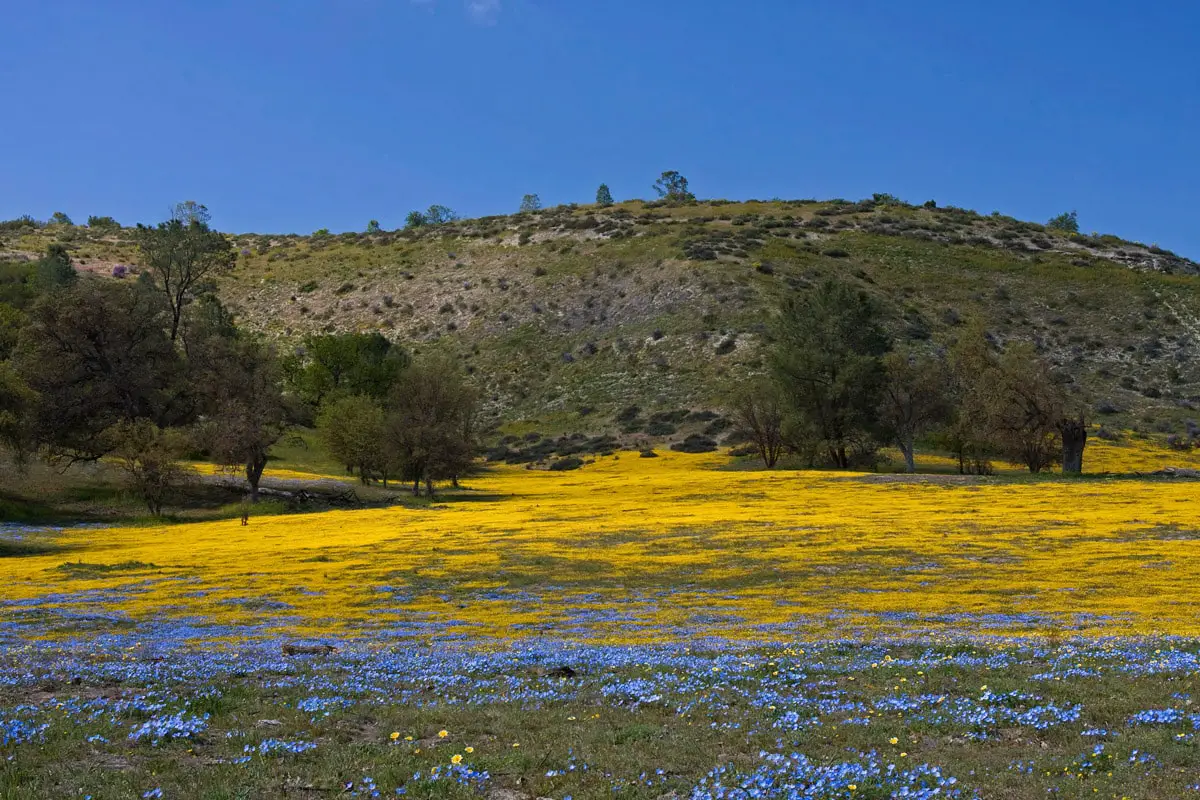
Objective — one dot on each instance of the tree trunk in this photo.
(906, 447)
(1074, 440)
(429, 487)
(416, 487)
(254, 471)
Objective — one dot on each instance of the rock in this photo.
(308, 649)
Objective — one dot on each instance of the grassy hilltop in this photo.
(569, 314)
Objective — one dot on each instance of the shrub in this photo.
(627, 414)
(695, 444)
(565, 464)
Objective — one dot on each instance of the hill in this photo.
(568, 315)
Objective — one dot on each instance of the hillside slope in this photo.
(569, 314)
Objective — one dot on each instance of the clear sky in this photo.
(294, 115)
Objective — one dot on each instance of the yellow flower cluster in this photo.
(632, 549)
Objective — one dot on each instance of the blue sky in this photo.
(294, 115)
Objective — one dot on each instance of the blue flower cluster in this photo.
(796, 777)
(172, 726)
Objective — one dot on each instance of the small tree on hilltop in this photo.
(440, 215)
(190, 211)
(415, 219)
(673, 186)
(531, 202)
(59, 218)
(373, 226)
(604, 197)
(1068, 222)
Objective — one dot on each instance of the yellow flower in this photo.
(469, 749)
(852, 786)
(443, 734)
(456, 759)
(408, 738)
(516, 744)
(893, 740)
(395, 735)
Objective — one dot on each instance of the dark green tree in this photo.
(54, 270)
(59, 218)
(373, 226)
(17, 407)
(827, 360)
(530, 202)
(415, 219)
(604, 197)
(97, 354)
(673, 186)
(183, 257)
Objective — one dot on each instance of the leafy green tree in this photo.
(530, 202)
(59, 218)
(1028, 408)
(373, 226)
(149, 456)
(17, 408)
(332, 365)
(244, 413)
(54, 270)
(97, 354)
(604, 197)
(1068, 222)
(11, 321)
(353, 431)
(431, 424)
(828, 363)
(915, 399)
(759, 411)
(974, 372)
(673, 186)
(183, 255)
(414, 220)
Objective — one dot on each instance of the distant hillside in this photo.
(569, 314)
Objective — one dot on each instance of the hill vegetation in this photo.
(570, 315)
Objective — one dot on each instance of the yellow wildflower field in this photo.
(642, 549)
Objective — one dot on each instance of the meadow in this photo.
(675, 626)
